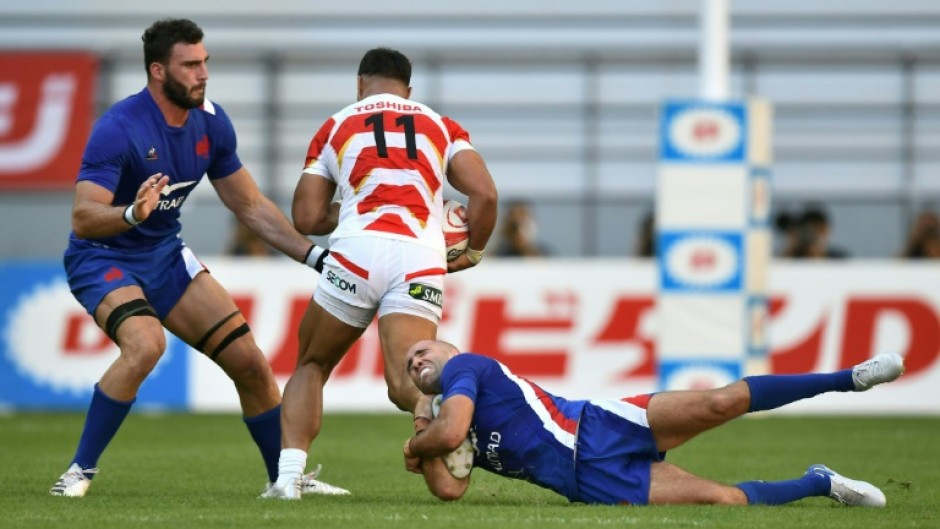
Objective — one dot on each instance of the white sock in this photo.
(290, 466)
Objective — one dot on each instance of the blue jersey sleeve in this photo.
(226, 161)
(462, 375)
(105, 154)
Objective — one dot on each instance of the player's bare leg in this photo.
(206, 318)
(671, 485)
(142, 342)
(324, 340)
(398, 332)
(677, 416)
(196, 319)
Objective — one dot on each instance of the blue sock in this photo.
(780, 492)
(266, 431)
(772, 391)
(105, 416)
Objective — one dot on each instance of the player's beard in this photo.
(179, 95)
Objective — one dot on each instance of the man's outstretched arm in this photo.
(240, 194)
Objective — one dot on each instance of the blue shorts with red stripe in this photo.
(614, 452)
(163, 272)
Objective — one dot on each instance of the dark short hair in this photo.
(388, 63)
(815, 214)
(160, 38)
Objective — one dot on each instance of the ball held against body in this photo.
(456, 229)
(459, 462)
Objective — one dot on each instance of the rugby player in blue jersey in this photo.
(127, 265)
(609, 451)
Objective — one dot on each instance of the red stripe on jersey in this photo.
(426, 272)
(350, 126)
(349, 265)
(318, 142)
(566, 424)
(407, 197)
(428, 128)
(391, 223)
(368, 160)
(455, 131)
(640, 401)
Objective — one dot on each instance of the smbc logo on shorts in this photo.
(340, 283)
(425, 293)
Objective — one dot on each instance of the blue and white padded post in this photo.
(713, 241)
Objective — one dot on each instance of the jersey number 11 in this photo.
(377, 121)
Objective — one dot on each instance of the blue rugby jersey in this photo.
(132, 141)
(519, 430)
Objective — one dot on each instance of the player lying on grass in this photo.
(608, 451)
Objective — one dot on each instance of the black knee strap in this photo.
(205, 338)
(134, 307)
(238, 332)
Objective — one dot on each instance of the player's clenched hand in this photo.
(462, 262)
(148, 195)
(412, 463)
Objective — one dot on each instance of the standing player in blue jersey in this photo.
(609, 451)
(127, 265)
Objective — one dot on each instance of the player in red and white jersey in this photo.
(389, 157)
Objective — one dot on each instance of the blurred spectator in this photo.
(245, 242)
(519, 233)
(923, 241)
(646, 237)
(807, 236)
(788, 233)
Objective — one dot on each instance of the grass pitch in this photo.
(202, 471)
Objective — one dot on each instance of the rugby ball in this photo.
(456, 230)
(459, 462)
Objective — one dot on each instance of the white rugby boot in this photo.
(851, 492)
(878, 370)
(74, 482)
(290, 492)
(310, 485)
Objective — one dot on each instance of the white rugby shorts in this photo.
(365, 276)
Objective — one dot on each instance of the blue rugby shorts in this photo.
(614, 452)
(163, 272)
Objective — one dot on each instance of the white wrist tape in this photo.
(129, 216)
(315, 257)
(474, 256)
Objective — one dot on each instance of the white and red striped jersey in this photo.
(388, 157)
